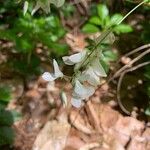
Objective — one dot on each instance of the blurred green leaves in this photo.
(6, 132)
(6, 135)
(103, 21)
(90, 28)
(27, 31)
(102, 11)
(6, 118)
(5, 93)
(122, 28)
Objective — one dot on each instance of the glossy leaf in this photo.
(103, 11)
(115, 19)
(5, 94)
(90, 28)
(123, 28)
(95, 20)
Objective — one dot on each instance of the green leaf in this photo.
(115, 19)
(147, 111)
(6, 118)
(107, 22)
(53, 21)
(95, 20)
(24, 45)
(59, 49)
(103, 11)
(147, 74)
(105, 65)
(5, 94)
(6, 135)
(123, 28)
(110, 56)
(90, 28)
(16, 115)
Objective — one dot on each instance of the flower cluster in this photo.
(87, 73)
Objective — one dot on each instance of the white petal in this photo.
(75, 58)
(45, 5)
(25, 7)
(76, 102)
(48, 76)
(37, 6)
(98, 68)
(57, 3)
(57, 72)
(82, 91)
(64, 99)
(90, 76)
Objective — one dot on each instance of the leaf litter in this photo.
(47, 125)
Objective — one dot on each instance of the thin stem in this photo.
(100, 39)
(107, 32)
(137, 50)
(131, 12)
(103, 36)
(120, 83)
(130, 63)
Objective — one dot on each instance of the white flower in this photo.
(57, 3)
(76, 102)
(90, 76)
(82, 91)
(52, 76)
(98, 68)
(75, 58)
(57, 71)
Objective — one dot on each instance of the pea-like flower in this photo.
(75, 58)
(87, 80)
(52, 76)
(80, 93)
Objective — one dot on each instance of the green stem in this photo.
(131, 12)
(101, 38)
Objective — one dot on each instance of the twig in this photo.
(130, 64)
(137, 50)
(94, 117)
(120, 82)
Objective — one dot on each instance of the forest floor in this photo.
(47, 124)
